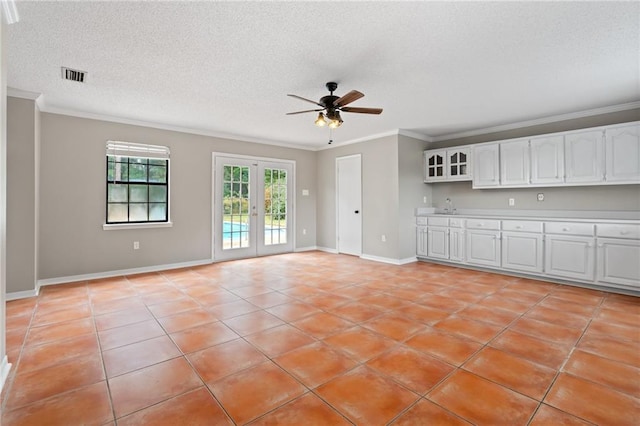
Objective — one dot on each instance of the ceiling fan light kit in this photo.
(331, 106)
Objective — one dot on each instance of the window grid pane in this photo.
(137, 190)
(275, 206)
(235, 206)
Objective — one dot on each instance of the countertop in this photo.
(630, 217)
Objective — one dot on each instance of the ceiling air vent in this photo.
(73, 75)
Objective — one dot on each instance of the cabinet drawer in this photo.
(569, 228)
(618, 231)
(483, 224)
(456, 223)
(521, 226)
(421, 221)
(438, 221)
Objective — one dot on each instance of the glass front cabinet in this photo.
(448, 164)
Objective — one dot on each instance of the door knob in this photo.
(357, 211)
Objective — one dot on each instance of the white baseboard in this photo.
(23, 294)
(5, 367)
(120, 272)
(310, 248)
(327, 250)
(389, 260)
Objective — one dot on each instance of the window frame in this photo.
(127, 151)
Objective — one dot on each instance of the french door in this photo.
(252, 208)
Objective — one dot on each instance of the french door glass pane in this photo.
(235, 207)
(275, 206)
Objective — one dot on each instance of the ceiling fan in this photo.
(331, 106)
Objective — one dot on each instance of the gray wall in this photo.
(614, 197)
(3, 199)
(379, 195)
(72, 201)
(412, 191)
(391, 190)
(22, 152)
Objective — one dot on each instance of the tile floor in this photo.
(315, 338)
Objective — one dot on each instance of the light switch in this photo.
(305, 192)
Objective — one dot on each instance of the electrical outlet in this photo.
(136, 245)
(304, 232)
(512, 202)
(540, 196)
(424, 199)
(384, 238)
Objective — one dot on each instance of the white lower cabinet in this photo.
(483, 242)
(570, 256)
(605, 254)
(618, 255)
(456, 244)
(438, 242)
(483, 247)
(619, 262)
(522, 251)
(421, 240)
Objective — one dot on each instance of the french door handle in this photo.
(357, 211)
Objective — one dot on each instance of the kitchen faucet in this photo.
(449, 207)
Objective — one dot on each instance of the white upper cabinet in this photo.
(622, 146)
(459, 164)
(547, 160)
(448, 164)
(607, 155)
(584, 154)
(486, 159)
(435, 165)
(514, 163)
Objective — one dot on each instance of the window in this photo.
(137, 183)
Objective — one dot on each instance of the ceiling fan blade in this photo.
(353, 95)
(305, 99)
(302, 112)
(360, 110)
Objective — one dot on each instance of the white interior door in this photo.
(349, 204)
(252, 207)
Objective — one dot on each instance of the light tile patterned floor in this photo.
(315, 338)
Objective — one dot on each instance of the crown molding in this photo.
(363, 139)
(538, 121)
(414, 135)
(23, 94)
(120, 120)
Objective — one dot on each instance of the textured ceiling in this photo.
(225, 68)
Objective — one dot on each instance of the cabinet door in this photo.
(547, 160)
(435, 166)
(618, 262)
(570, 257)
(522, 251)
(421, 240)
(584, 155)
(486, 169)
(483, 248)
(459, 164)
(514, 163)
(438, 243)
(456, 244)
(622, 146)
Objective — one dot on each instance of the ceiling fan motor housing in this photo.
(328, 101)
